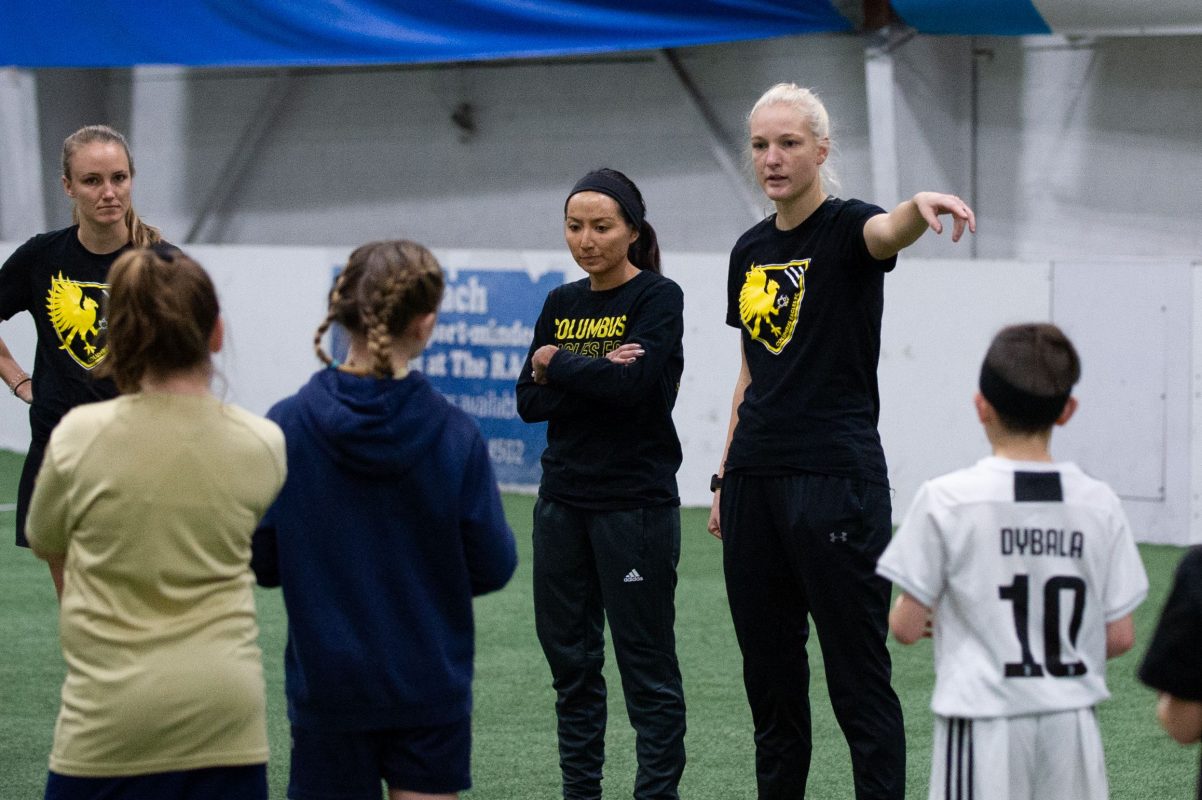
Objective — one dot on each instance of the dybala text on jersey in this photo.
(1042, 542)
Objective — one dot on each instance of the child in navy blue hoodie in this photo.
(389, 523)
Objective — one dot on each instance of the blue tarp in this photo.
(121, 33)
(215, 33)
(972, 17)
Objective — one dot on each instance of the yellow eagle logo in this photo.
(74, 310)
(765, 301)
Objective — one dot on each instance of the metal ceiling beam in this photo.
(245, 151)
(719, 145)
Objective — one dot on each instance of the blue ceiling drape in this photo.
(121, 33)
(223, 33)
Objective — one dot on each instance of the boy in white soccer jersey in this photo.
(1025, 573)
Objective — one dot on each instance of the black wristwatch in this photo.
(715, 482)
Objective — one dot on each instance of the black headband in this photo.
(1019, 404)
(605, 184)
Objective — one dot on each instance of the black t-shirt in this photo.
(1173, 662)
(64, 286)
(611, 443)
(808, 302)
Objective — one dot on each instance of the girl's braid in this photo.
(335, 302)
(378, 315)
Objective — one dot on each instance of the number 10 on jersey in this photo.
(1019, 593)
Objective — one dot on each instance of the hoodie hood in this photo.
(374, 426)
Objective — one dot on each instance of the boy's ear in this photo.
(985, 412)
(1070, 408)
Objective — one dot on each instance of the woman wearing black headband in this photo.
(603, 371)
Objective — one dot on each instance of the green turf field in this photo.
(514, 726)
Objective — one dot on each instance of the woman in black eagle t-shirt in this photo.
(603, 371)
(801, 497)
(61, 279)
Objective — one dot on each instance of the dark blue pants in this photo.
(807, 545)
(432, 759)
(211, 783)
(590, 566)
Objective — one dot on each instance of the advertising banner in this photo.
(477, 351)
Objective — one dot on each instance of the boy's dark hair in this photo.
(1028, 375)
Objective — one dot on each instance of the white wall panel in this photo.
(1118, 314)
(19, 336)
(1131, 321)
(711, 365)
(940, 316)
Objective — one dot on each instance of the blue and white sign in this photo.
(484, 329)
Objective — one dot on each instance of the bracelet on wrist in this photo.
(22, 379)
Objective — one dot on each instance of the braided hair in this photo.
(383, 287)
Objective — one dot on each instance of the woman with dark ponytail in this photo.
(603, 370)
(389, 523)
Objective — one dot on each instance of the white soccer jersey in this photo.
(1023, 563)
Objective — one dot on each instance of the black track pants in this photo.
(590, 566)
(807, 544)
(29, 474)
